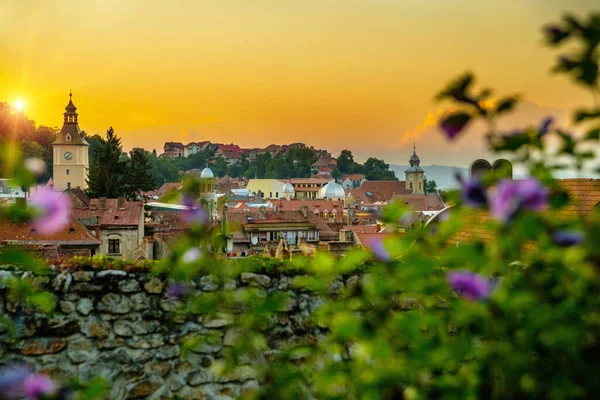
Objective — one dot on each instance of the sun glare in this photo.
(19, 105)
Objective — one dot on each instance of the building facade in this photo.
(70, 153)
(415, 176)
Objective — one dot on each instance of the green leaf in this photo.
(582, 115)
(593, 134)
(23, 259)
(506, 104)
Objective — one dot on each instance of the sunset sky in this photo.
(356, 74)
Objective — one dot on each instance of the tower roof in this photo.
(70, 108)
(70, 132)
(414, 161)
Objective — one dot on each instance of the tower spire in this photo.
(414, 148)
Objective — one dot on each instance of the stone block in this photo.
(154, 286)
(35, 347)
(85, 306)
(252, 279)
(115, 304)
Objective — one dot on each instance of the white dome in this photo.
(206, 173)
(332, 191)
(288, 188)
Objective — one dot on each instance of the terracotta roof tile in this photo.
(23, 233)
(109, 213)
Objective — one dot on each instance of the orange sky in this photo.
(358, 74)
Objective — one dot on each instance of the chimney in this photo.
(121, 203)
(304, 211)
(102, 202)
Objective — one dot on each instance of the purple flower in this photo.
(454, 123)
(470, 285)
(514, 196)
(177, 289)
(38, 384)
(193, 254)
(545, 126)
(194, 214)
(473, 192)
(52, 209)
(12, 381)
(568, 238)
(378, 248)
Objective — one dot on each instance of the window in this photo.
(411, 185)
(277, 195)
(68, 185)
(325, 215)
(114, 246)
(270, 194)
(68, 137)
(68, 172)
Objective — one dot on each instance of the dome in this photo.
(332, 191)
(288, 188)
(206, 173)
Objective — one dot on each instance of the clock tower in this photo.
(415, 174)
(70, 153)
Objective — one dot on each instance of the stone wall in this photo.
(120, 326)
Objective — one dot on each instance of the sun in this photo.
(19, 105)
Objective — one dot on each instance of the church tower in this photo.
(415, 174)
(70, 153)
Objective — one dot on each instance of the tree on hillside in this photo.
(137, 178)
(345, 161)
(377, 170)
(107, 172)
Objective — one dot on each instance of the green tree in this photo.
(138, 177)
(345, 161)
(95, 142)
(377, 170)
(106, 175)
(430, 186)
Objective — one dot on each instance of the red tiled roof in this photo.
(362, 228)
(365, 239)
(306, 181)
(421, 202)
(171, 145)
(381, 190)
(230, 147)
(584, 197)
(320, 205)
(353, 177)
(324, 162)
(110, 214)
(22, 233)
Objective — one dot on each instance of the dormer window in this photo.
(68, 137)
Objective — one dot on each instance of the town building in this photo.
(415, 176)
(327, 210)
(352, 181)
(118, 223)
(307, 188)
(195, 147)
(323, 166)
(70, 153)
(173, 150)
(73, 239)
(266, 188)
(9, 193)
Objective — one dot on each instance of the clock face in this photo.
(68, 155)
